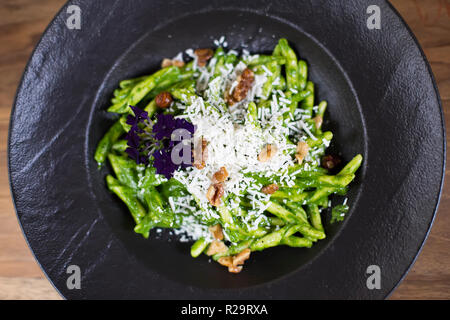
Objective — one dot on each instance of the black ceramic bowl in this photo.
(383, 104)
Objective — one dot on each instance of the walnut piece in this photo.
(270, 189)
(246, 80)
(201, 154)
(267, 153)
(234, 263)
(169, 62)
(216, 247)
(216, 231)
(221, 175)
(203, 55)
(235, 269)
(245, 83)
(166, 63)
(215, 193)
(226, 261)
(163, 99)
(241, 257)
(318, 120)
(302, 151)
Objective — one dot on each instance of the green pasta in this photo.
(260, 177)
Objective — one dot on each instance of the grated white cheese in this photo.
(234, 143)
(191, 229)
(236, 147)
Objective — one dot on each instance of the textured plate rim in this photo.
(404, 24)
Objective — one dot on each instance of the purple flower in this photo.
(139, 116)
(165, 125)
(162, 161)
(145, 140)
(132, 120)
(134, 154)
(132, 138)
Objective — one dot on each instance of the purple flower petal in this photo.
(163, 163)
(132, 153)
(139, 113)
(182, 123)
(164, 126)
(161, 135)
(132, 138)
(132, 121)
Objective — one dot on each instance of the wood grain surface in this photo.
(21, 24)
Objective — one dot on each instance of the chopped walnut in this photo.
(166, 63)
(302, 151)
(318, 120)
(201, 154)
(163, 99)
(235, 269)
(221, 175)
(178, 63)
(203, 55)
(245, 82)
(216, 247)
(216, 232)
(226, 261)
(270, 189)
(229, 98)
(241, 257)
(215, 193)
(267, 153)
(234, 263)
(169, 62)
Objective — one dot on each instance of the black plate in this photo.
(383, 104)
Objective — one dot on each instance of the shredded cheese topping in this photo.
(234, 142)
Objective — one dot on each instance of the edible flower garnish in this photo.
(134, 149)
(164, 128)
(262, 176)
(146, 139)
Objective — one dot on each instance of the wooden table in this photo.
(21, 24)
